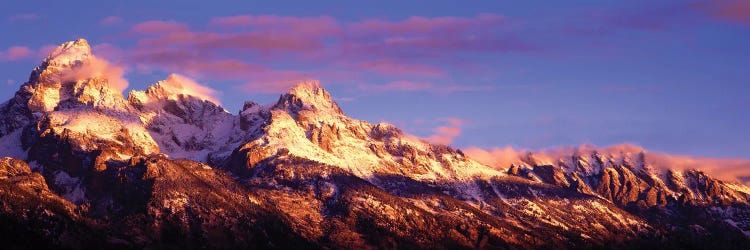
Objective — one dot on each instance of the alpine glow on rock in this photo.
(88, 168)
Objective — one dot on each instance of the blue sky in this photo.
(671, 76)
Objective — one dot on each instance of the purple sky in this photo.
(672, 77)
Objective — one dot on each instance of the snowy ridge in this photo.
(301, 171)
(96, 126)
(70, 53)
(185, 126)
(309, 124)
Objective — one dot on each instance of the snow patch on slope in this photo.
(309, 124)
(10, 145)
(70, 53)
(100, 126)
(73, 190)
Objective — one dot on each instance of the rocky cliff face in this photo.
(167, 168)
(186, 126)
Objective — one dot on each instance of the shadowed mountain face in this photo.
(89, 168)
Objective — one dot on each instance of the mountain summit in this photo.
(308, 95)
(168, 167)
(70, 53)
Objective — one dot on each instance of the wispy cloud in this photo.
(110, 20)
(98, 67)
(16, 53)
(445, 134)
(495, 157)
(249, 49)
(179, 84)
(735, 11)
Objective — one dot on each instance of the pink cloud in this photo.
(98, 67)
(268, 34)
(253, 41)
(254, 77)
(179, 84)
(257, 41)
(726, 169)
(108, 50)
(158, 27)
(436, 35)
(737, 11)
(223, 69)
(455, 121)
(16, 53)
(495, 157)
(445, 134)
(188, 63)
(110, 20)
(251, 48)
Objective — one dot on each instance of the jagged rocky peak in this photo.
(176, 100)
(185, 120)
(70, 53)
(66, 78)
(385, 130)
(12, 167)
(174, 88)
(250, 106)
(308, 95)
(72, 76)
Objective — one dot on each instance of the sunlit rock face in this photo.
(185, 122)
(168, 167)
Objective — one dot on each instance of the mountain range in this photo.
(85, 167)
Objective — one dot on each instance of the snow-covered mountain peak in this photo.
(306, 86)
(307, 123)
(308, 95)
(72, 76)
(185, 120)
(175, 87)
(70, 53)
(171, 159)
